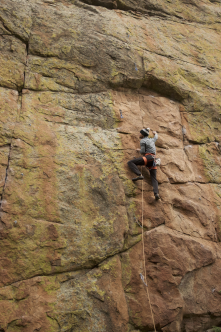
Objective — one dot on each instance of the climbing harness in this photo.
(151, 161)
(144, 278)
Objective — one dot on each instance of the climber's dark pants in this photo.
(153, 172)
(153, 176)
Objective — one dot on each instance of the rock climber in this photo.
(148, 150)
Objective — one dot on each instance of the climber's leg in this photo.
(153, 176)
(133, 166)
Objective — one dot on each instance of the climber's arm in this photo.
(155, 136)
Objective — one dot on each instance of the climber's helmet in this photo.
(145, 132)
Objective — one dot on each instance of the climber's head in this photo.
(144, 132)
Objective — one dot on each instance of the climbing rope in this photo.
(144, 264)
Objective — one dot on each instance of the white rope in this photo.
(144, 279)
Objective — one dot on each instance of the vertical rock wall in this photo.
(78, 80)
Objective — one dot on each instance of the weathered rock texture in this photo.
(71, 250)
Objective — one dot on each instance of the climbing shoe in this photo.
(157, 196)
(140, 177)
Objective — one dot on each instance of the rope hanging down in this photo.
(144, 279)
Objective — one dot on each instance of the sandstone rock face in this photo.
(78, 80)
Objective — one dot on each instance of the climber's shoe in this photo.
(157, 196)
(140, 177)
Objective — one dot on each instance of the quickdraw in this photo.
(137, 222)
(142, 278)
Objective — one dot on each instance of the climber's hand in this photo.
(154, 132)
(138, 150)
